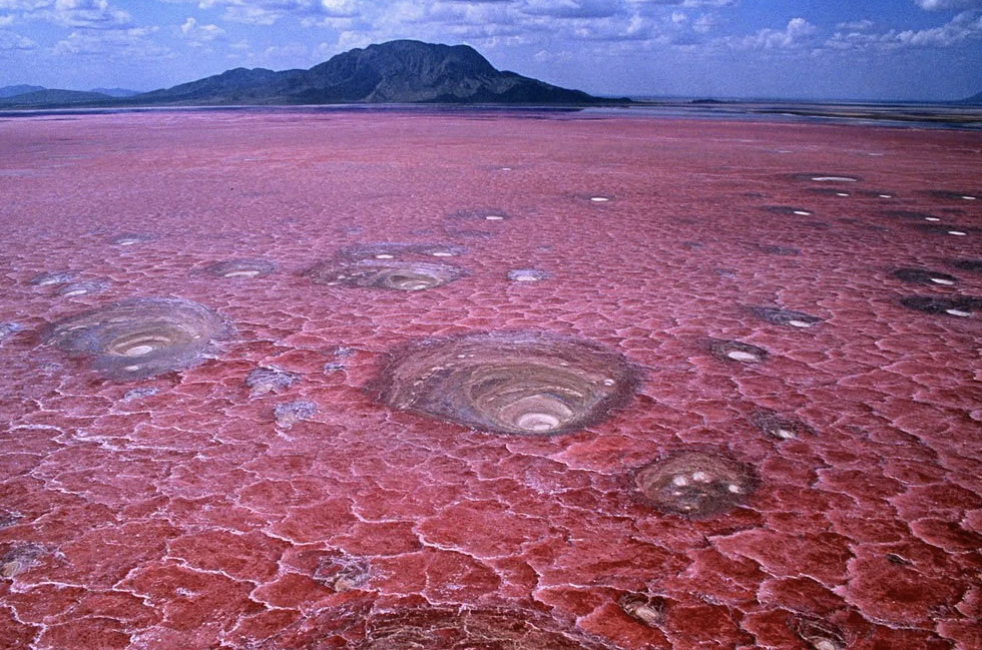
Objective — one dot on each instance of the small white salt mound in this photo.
(599, 199)
(740, 355)
(841, 194)
(701, 477)
(494, 217)
(932, 219)
(139, 350)
(803, 213)
(442, 254)
(76, 292)
(969, 198)
(957, 233)
(942, 281)
(242, 274)
(799, 323)
(506, 169)
(785, 434)
(384, 256)
(958, 312)
(680, 481)
(834, 179)
(886, 196)
(127, 242)
(734, 488)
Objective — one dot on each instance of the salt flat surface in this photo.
(532, 381)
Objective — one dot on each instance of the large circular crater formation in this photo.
(397, 275)
(524, 383)
(141, 337)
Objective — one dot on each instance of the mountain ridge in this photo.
(402, 71)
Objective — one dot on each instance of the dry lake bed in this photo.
(299, 380)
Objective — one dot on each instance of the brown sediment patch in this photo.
(955, 306)
(384, 274)
(787, 317)
(524, 383)
(817, 633)
(141, 337)
(51, 278)
(240, 268)
(461, 628)
(646, 608)
(972, 266)
(19, 557)
(727, 350)
(920, 276)
(779, 427)
(269, 380)
(130, 239)
(289, 413)
(697, 484)
(784, 251)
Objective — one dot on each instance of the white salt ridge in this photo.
(803, 213)
(799, 323)
(599, 199)
(834, 179)
(942, 281)
(958, 312)
(740, 355)
(957, 233)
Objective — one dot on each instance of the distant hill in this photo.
(49, 97)
(116, 92)
(22, 89)
(394, 72)
(974, 99)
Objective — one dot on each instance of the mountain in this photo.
(22, 89)
(46, 98)
(394, 72)
(116, 92)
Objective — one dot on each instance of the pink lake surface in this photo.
(180, 512)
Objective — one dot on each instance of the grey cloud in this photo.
(935, 5)
(12, 41)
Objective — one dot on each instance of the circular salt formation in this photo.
(736, 351)
(920, 276)
(48, 279)
(697, 484)
(527, 275)
(240, 268)
(141, 337)
(515, 383)
(778, 427)
(961, 307)
(130, 239)
(787, 317)
(384, 274)
(461, 628)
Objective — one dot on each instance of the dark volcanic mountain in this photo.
(396, 72)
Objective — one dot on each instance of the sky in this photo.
(796, 49)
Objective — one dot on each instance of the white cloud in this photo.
(92, 14)
(856, 26)
(128, 43)
(197, 34)
(6, 20)
(797, 34)
(12, 41)
(966, 26)
(934, 5)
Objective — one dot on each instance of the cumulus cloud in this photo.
(799, 32)
(12, 41)
(197, 34)
(129, 43)
(966, 26)
(934, 5)
(92, 14)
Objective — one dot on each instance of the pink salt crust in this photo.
(181, 516)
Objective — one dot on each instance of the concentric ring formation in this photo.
(395, 275)
(525, 383)
(141, 337)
